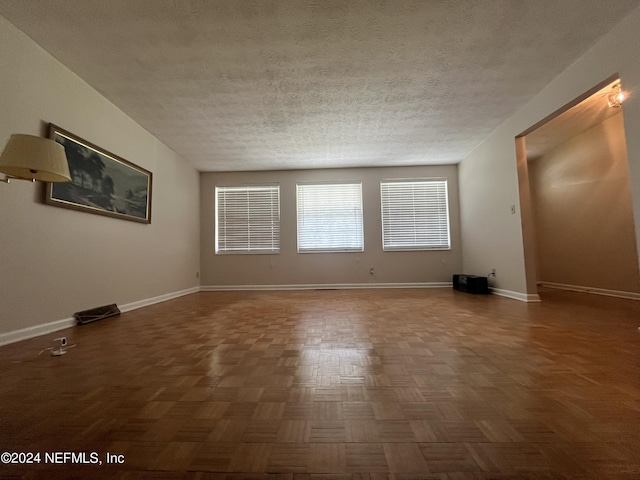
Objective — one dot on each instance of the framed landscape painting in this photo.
(101, 182)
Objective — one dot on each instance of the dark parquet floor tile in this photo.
(333, 385)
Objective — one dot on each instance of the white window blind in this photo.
(415, 214)
(330, 217)
(247, 219)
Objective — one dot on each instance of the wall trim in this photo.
(592, 290)
(523, 297)
(324, 286)
(37, 330)
(127, 307)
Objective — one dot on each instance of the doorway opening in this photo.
(575, 196)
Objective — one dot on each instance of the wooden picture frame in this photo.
(101, 182)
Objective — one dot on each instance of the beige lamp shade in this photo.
(34, 158)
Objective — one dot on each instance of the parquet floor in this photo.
(337, 385)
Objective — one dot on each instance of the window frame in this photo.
(341, 249)
(249, 251)
(415, 247)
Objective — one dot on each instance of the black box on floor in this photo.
(470, 283)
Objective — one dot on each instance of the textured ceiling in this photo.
(280, 84)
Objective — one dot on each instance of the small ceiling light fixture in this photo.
(27, 157)
(615, 97)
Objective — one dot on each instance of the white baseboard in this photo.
(323, 286)
(37, 330)
(596, 291)
(127, 307)
(523, 297)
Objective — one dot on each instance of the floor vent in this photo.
(98, 313)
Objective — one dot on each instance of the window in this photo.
(330, 217)
(415, 214)
(248, 219)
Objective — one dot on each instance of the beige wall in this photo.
(491, 236)
(582, 211)
(292, 268)
(53, 261)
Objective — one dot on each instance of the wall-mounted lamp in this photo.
(615, 97)
(27, 157)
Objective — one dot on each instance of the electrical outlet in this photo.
(197, 274)
(513, 209)
(372, 271)
(493, 271)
